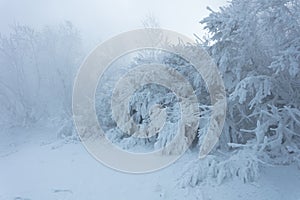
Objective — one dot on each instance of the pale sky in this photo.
(103, 19)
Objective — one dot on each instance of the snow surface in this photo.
(32, 168)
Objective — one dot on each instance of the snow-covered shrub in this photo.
(67, 130)
(242, 164)
(144, 101)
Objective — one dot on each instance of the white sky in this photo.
(101, 19)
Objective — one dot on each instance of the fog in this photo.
(99, 20)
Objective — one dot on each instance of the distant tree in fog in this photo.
(37, 71)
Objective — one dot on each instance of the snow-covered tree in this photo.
(256, 47)
(37, 72)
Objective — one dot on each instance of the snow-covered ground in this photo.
(34, 166)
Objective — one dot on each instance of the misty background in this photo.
(100, 20)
